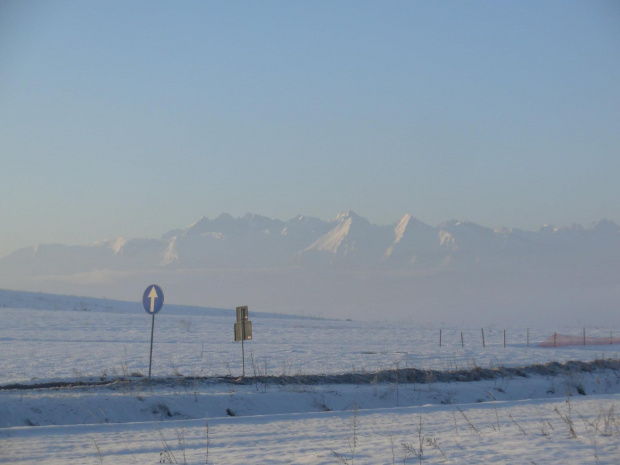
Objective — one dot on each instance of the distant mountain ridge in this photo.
(348, 241)
(347, 267)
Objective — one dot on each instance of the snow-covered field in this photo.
(198, 410)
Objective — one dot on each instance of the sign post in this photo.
(152, 301)
(243, 331)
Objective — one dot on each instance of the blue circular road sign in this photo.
(153, 299)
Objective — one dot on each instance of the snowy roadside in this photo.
(573, 430)
(131, 400)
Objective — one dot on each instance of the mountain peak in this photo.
(200, 223)
(345, 216)
(606, 226)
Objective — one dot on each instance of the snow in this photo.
(498, 432)
(184, 414)
(349, 268)
(332, 240)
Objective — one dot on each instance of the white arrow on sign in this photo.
(153, 295)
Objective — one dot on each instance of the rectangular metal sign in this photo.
(243, 331)
(242, 313)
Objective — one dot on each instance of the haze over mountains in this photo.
(348, 267)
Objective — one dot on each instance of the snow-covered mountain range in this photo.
(348, 261)
(347, 241)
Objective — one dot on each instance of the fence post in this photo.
(528, 337)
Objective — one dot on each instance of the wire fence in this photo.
(584, 337)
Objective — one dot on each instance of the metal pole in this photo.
(242, 349)
(462, 343)
(504, 339)
(440, 338)
(243, 357)
(483, 344)
(151, 353)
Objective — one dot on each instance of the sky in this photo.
(134, 118)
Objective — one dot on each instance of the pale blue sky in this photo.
(133, 118)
